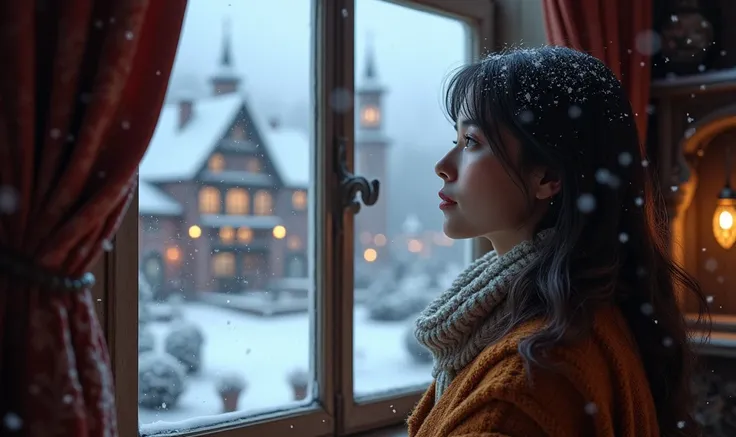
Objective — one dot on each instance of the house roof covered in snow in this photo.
(152, 201)
(177, 154)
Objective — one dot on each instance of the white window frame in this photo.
(334, 411)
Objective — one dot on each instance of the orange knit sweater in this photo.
(600, 389)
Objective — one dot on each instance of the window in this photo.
(216, 163)
(299, 200)
(263, 203)
(236, 201)
(209, 200)
(223, 264)
(227, 234)
(253, 165)
(370, 116)
(245, 235)
(243, 341)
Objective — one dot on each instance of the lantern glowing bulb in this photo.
(723, 222)
(723, 229)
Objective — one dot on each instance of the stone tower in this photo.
(371, 158)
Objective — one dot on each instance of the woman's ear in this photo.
(548, 185)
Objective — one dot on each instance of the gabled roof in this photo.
(177, 154)
(152, 201)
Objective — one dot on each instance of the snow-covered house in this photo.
(223, 195)
(223, 191)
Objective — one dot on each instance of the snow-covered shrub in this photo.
(397, 307)
(184, 342)
(416, 350)
(146, 340)
(160, 312)
(362, 275)
(299, 381)
(231, 382)
(161, 381)
(401, 294)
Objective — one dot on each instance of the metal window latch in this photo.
(350, 184)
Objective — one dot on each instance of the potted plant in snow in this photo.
(230, 387)
(299, 381)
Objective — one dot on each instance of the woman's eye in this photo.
(470, 141)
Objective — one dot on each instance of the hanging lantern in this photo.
(724, 228)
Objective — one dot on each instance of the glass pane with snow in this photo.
(224, 283)
(402, 258)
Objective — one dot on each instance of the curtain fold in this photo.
(81, 86)
(618, 32)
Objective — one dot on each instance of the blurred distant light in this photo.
(415, 246)
(195, 231)
(279, 232)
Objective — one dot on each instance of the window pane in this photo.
(225, 288)
(402, 258)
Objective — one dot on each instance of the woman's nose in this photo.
(445, 169)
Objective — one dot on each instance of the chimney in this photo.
(186, 111)
(274, 123)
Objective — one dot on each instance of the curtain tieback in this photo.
(11, 265)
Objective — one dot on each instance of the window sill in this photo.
(391, 431)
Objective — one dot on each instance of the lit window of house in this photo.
(370, 116)
(209, 200)
(253, 165)
(216, 163)
(223, 264)
(263, 203)
(227, 234)
(236, 201)
(245, 235)
(299, 200)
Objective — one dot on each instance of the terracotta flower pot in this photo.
(230, 400)
(300, 391)
(299, 381)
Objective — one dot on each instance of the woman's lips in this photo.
(446, 202)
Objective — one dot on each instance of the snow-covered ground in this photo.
(265, 350)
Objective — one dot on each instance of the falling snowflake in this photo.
(574, 111)
(8, 199)
(591, 408)
(625, 159)
(13, 422)
(647, 309)
(586, 203)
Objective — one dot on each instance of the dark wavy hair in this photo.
(572, 117)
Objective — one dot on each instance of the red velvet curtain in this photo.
(618, 32)
(81, 86)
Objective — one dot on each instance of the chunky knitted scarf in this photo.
(458, 325)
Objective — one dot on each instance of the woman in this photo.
(570, 327)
